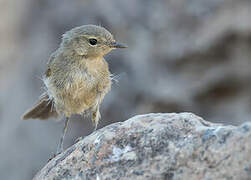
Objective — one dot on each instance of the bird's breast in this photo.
(80, 88)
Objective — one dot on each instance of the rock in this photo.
(157, 146)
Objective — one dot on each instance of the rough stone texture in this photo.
(157, 146)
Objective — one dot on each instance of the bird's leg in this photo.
(95, 117)
(61, 142)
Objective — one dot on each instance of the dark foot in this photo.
(78, 139)
(59, 151)
(54, 155)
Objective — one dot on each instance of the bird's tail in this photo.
(43, 110)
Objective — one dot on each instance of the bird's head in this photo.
(90, 41)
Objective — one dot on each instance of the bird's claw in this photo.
(78, 139)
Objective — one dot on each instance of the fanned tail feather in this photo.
(43, 110)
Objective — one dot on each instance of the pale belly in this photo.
(79, 95)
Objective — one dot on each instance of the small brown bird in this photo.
(77, 77)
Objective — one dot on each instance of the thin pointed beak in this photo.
(118, 45)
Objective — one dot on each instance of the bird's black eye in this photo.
(93, 41)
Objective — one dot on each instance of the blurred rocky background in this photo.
(183, 56)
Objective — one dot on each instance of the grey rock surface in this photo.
(157, 146)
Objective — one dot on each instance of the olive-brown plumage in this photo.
(77, 77)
